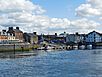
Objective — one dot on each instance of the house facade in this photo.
(3, 39)
(31, 38)
(15, 34)
(93, 37)
(62, 34)
(82, 38)
(7, 38)
(72, 38)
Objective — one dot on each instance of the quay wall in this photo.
(15, 47)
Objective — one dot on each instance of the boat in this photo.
(41, 48)
(82, 47)
(89, 46)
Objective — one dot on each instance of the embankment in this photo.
(15, 47)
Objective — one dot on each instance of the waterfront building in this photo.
(54, 38)
(3, 32)
(72, 38)
(82, 38)
(40, 38)
(48, 38)
(3, 37)
(11, 39)
(93, 37)
(59, 39)
(17, 33)
(31, 38)
(63, 34)
(7, 38)
(51, 38)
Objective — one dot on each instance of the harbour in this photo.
(50, 38)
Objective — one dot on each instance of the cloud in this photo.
(84, 25)
(90, 8)
(28, 16)
(13, 6)
(21, 13)
(86, 10)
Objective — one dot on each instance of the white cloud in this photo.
(59, 23)
(84, 25)
(87, 10)
(12, 6)
(91, 8)
(28, 16)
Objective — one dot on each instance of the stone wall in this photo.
(15, 47)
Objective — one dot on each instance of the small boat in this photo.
(41, 48)
(49, 47)
(89, 46)
(82, 47)
(75, 47)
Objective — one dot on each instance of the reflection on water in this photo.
(75, 63)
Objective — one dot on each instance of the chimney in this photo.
(34, 33)
(64, 32)
(17, 28)
(77, 33)
(55, 34)
(10, 28)
(3, 30)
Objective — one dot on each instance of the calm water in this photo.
(75, 63)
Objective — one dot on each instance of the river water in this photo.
(74, 63)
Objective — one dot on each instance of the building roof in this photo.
(10, 31)
(16, 30)
(30, 34)
(82, 34)
(95, 32)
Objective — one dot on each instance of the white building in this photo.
(6, 38)
(10, 37)
(82, 38)
(72, 38)
(63, 34)
(93, 37)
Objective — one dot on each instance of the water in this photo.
(75, 63)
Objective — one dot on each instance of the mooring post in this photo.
(22, 48)
(14, 48)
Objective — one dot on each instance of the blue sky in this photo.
(60, 8)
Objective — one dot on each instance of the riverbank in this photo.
(29, 47)
(15, 47)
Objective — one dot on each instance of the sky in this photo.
(51, 16)
(60, 8)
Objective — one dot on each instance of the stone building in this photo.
(16, 32)
(31, 38)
